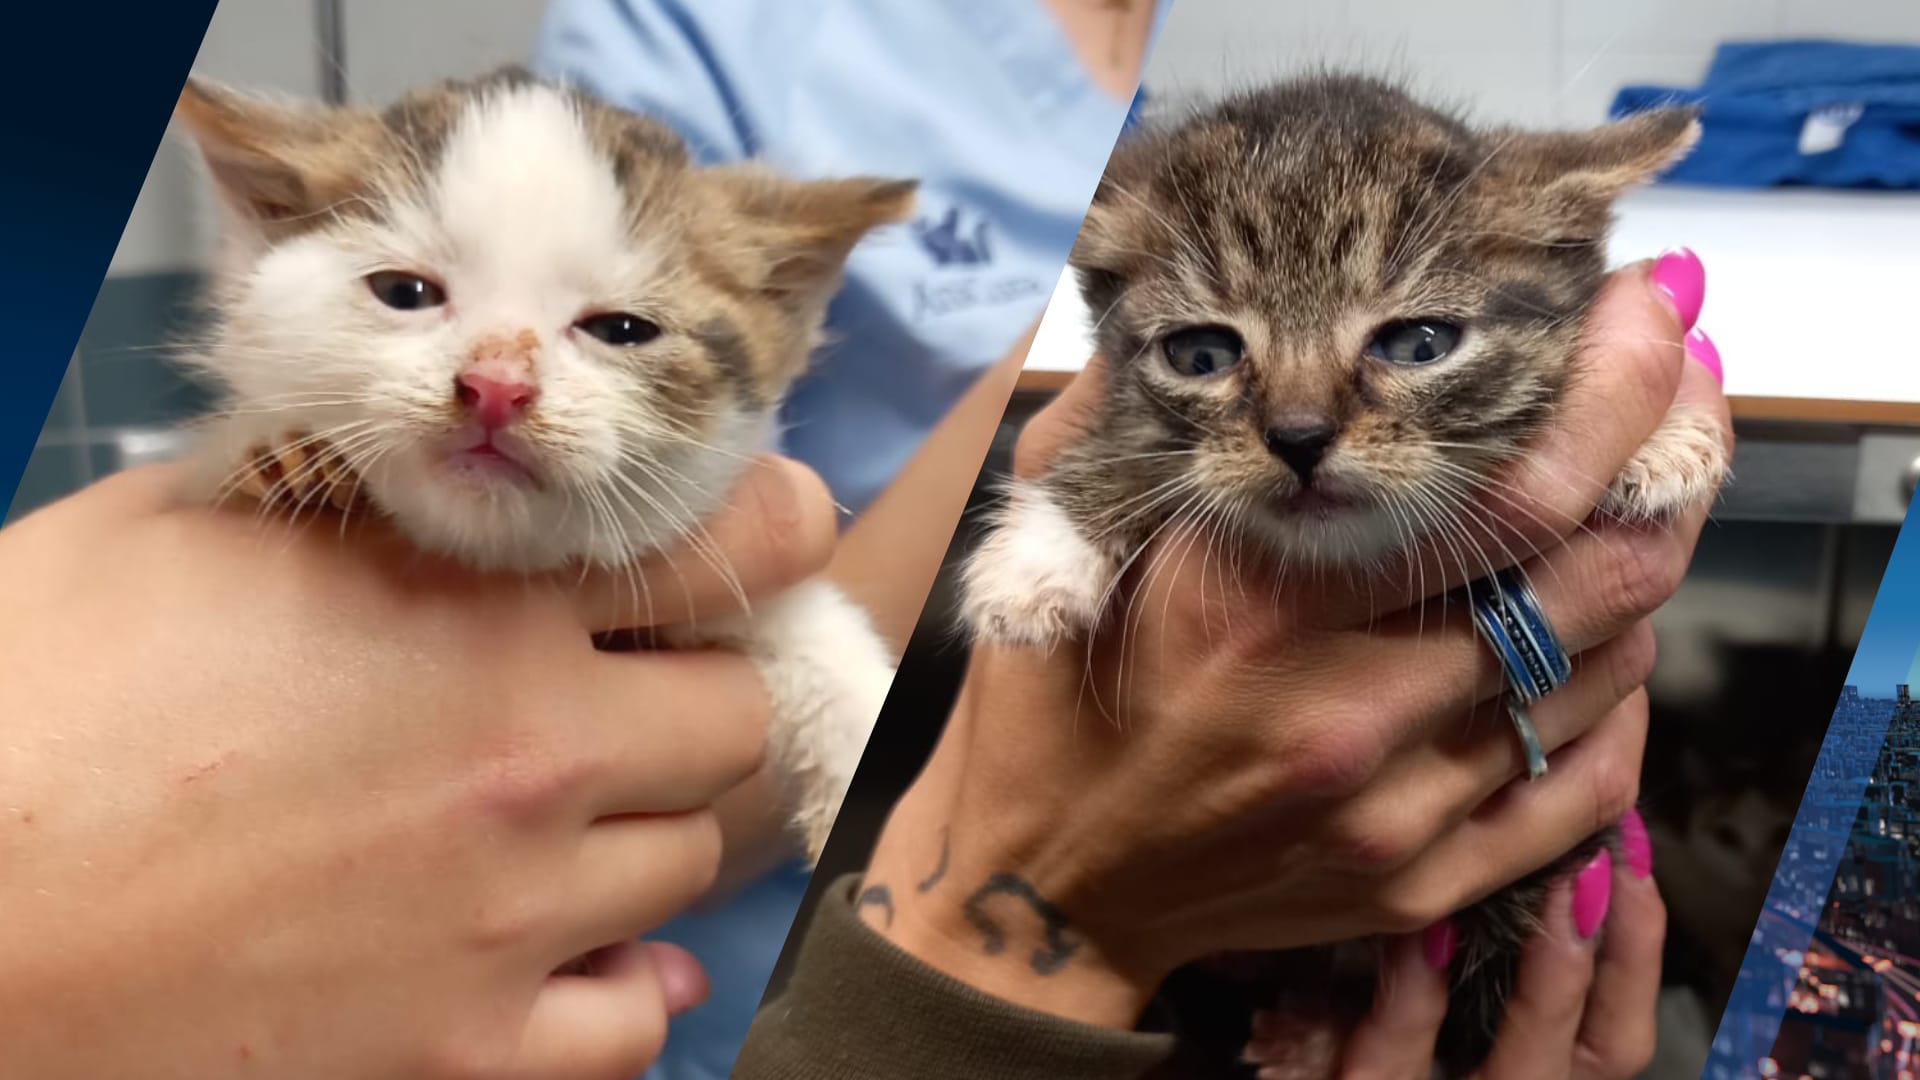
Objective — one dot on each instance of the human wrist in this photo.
(956, 906)
(1086, 989)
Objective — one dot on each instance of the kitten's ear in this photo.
(1108, 243)
(795, 235)
(275, 161)
(1569, 181)
(1118, 231)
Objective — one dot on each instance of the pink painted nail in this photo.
(1702, 348)
(1442, 939)
(1592, 892)
(1636, 845)
(1679, 274)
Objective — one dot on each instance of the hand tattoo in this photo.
(876, 896)
(939, 872)
(1057, 947)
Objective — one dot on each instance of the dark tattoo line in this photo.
(939, 872)
(876, 896)
(1057, 948)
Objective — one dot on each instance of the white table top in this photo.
(1809, 292)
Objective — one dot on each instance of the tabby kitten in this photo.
(527, 328)
(1330, 315)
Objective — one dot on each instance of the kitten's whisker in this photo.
(604, 501)
(639, 594)
(1170, 522)
(1120, 517)
(692, 531)
(1464, 502)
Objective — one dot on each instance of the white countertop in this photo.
(1810, 294)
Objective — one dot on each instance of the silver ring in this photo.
(1507, 614)
(1529, 738)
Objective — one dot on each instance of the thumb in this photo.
(1064, 419)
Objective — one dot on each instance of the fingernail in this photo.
(1592, 892)
(1442, 939)
(1636, 845)
(1701, 348)
(1679, 275)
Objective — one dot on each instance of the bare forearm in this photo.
(885, 563)
(887, 560)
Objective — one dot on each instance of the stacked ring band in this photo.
(1508, 616)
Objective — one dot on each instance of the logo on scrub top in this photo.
(949, 245)
(965, 279)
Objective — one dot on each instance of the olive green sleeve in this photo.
(858, 1008)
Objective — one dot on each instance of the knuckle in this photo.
(506, 922)
(1614, 788)
(1644, 570)
(1635, 1057)
(1561, 999)
(527, 779)
(793, 536)
(737, 731)
(1410, 911)
(706, 847)
(754, 751)
(1375, 841)
(1335, 762)
(1623, 1055)
(1656, 919)
(1634, 654)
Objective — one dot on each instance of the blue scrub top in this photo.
(982, 101)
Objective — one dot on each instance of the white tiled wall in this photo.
(1523, 61)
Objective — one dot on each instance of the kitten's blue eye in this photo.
(1413, 342)
(620, 328)
(405, 292)
(1202, 350)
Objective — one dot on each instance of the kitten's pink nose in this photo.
(494, 403)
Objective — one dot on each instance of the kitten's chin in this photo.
(495, 512)
(491, 512)
(1327, 533)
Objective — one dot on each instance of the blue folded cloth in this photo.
(1826, 113)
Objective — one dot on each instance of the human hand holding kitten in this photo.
(527, 330)
(1346, 336)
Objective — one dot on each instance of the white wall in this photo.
(395, 45)
(391, 45)
(1535, 62)
(1526, 61)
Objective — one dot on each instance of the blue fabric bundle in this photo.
(1826, 113)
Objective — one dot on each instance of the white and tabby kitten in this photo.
(535, 333)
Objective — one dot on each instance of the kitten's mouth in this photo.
(1317, 501)
(495, 458)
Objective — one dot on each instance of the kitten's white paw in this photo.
(827, 674)
(1682, 465)
(1035, 581)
